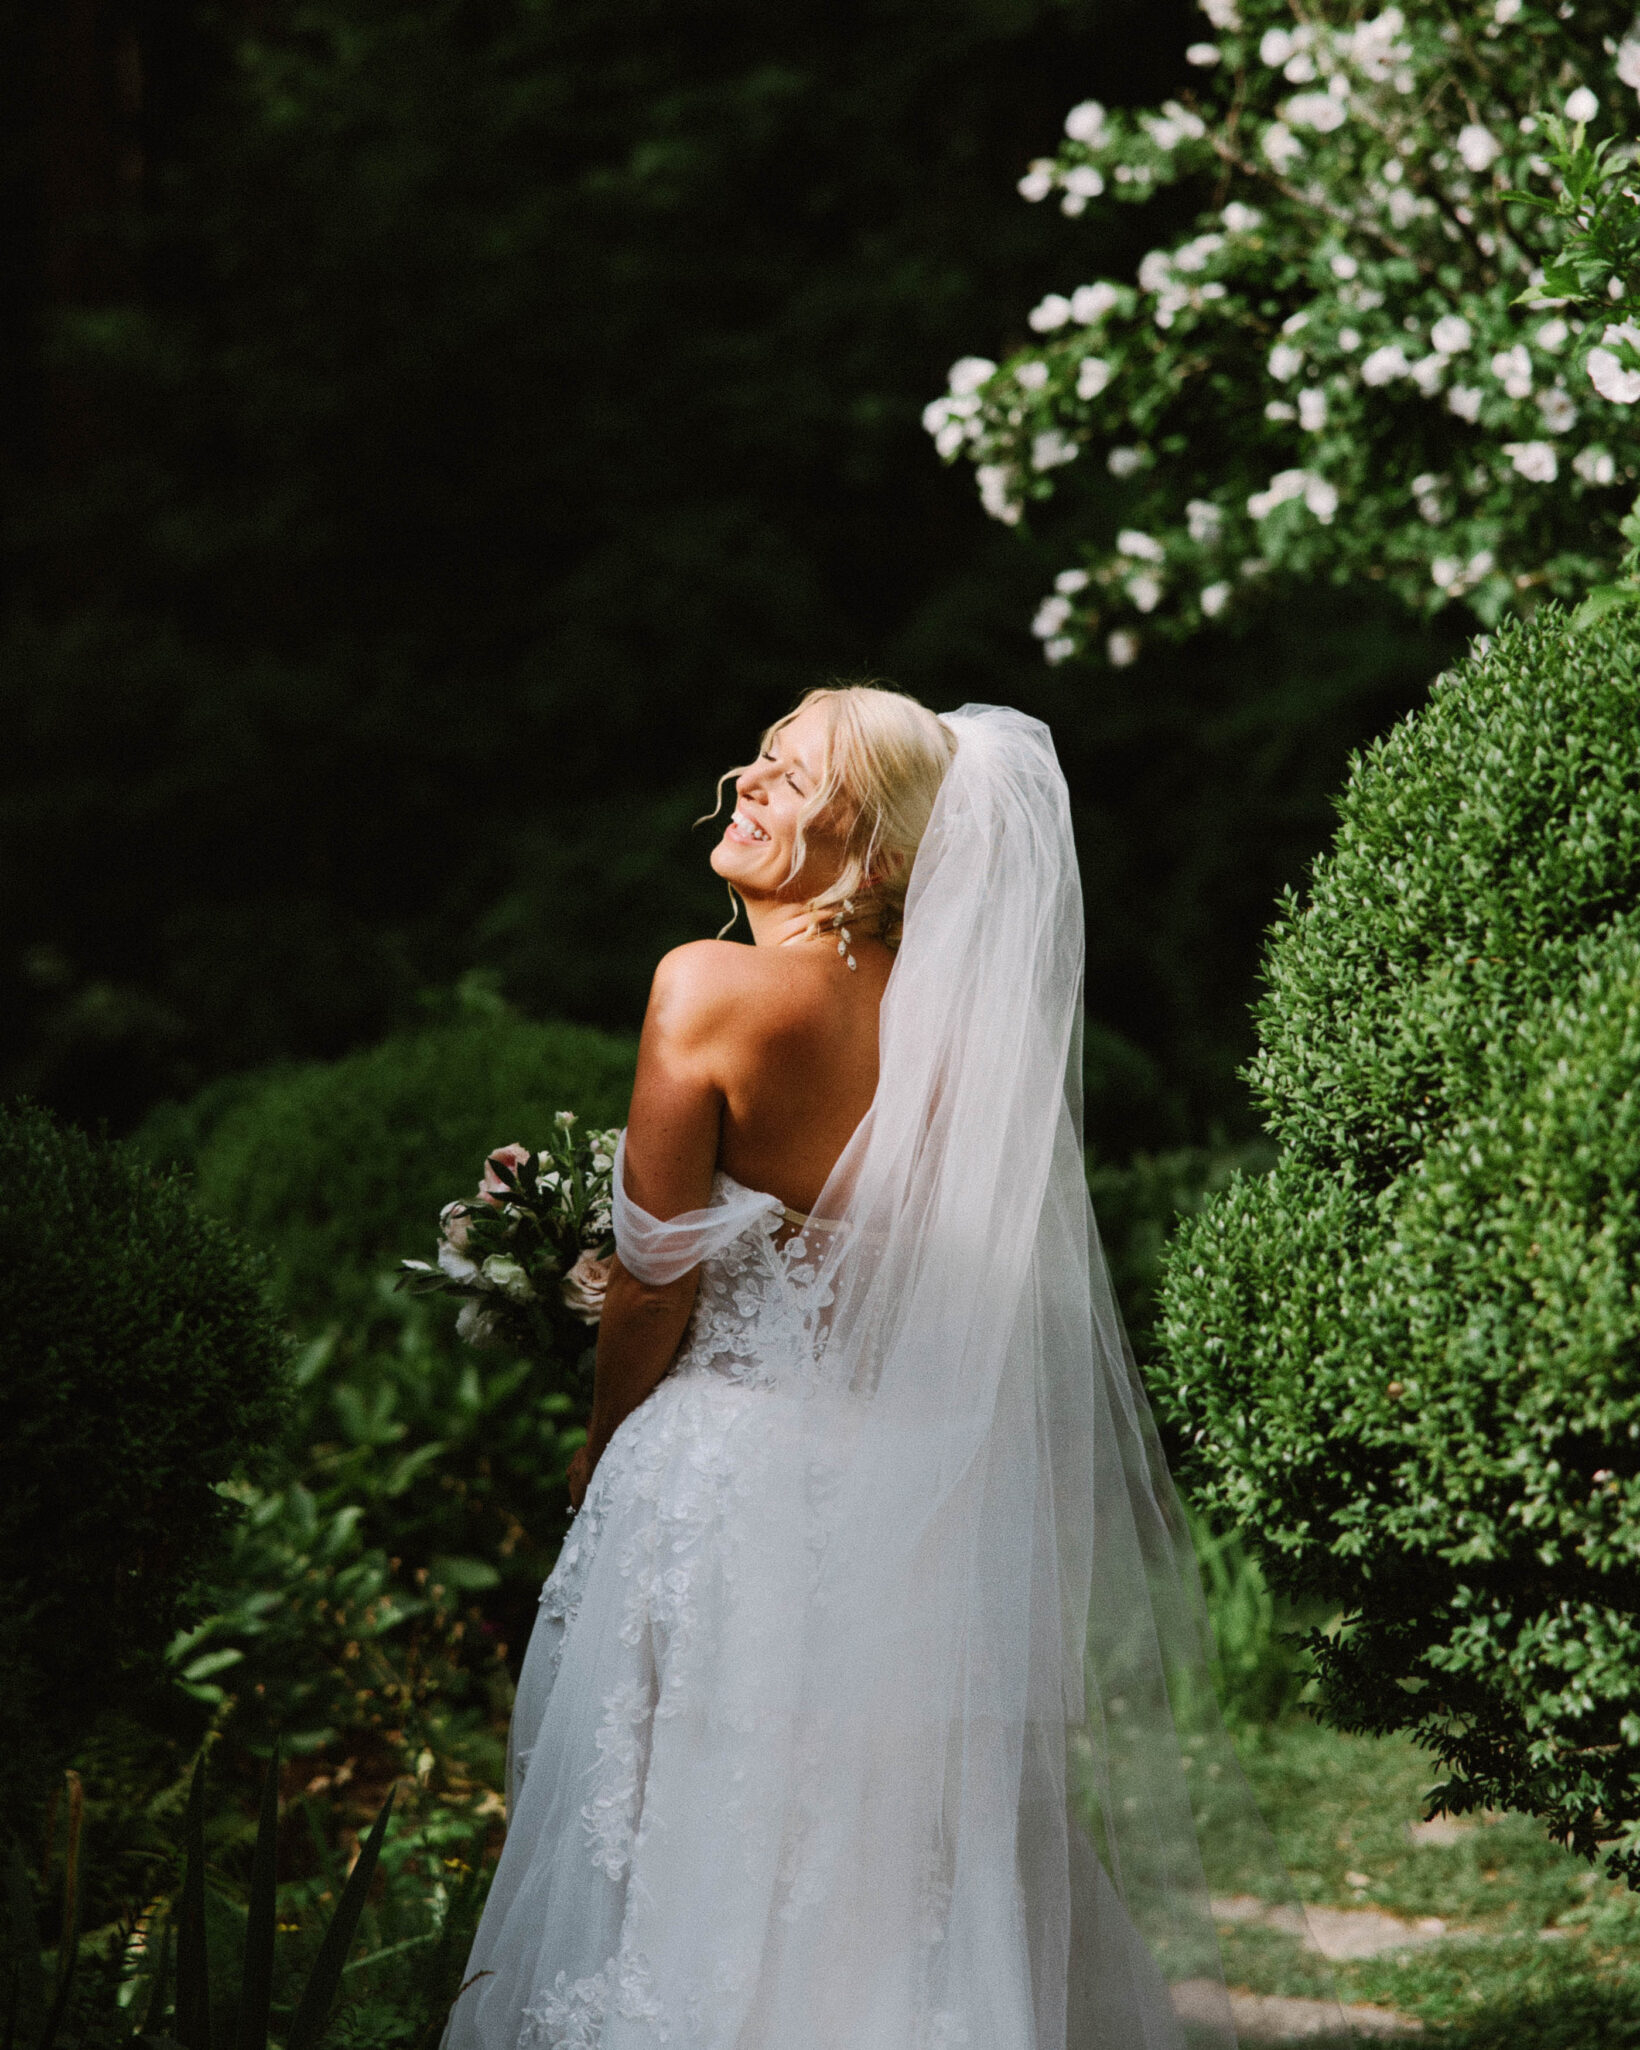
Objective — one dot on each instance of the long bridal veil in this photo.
(999, 1764)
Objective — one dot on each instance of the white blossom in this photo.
(1628, 60)
(1533, 460)
(1049, 313)
(1037, 182)
(1445, 571)
(1032, 374)
(1349, 340)
(1320, 111)
(1155, 271)
(1312, 410)
(1090, 303)
(1085, 123)
(1058, 648)
(1051, 448)
(1203, 55)
(1121, 648)
(1240, 219)
(1505, 11)
(1051, 615)
(1465, 401)
(1343, 266)
(1275, 47)
(1173, 125)
(1479, 147)
(1285, 362)
(1145, 590)
(996, 492)
(1214, 598)
(1145, 546)
(1195, 255)
(1553, 334)
(1559, 414)
(1070, 581)
(1607, 371)
(1122, 462)
(1595, 465)
(1224, 15)
(1451, 335)
(968, 373)
(1582, 105)
(1384, 364)
(1319, 496)
(1280, 146)
(1513, 369)
(1278, 409)
(1093, 373)
(1427, 373)
(1082, 182)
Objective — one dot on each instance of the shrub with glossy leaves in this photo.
(1408, 1359)
(141, 1369)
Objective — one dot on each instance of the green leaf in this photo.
(1601, 602)
(261, 1920)
(193, 2022)
(313, 2010)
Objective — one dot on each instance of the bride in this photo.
(852, 1719)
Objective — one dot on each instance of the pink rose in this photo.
(584, 1286)
(492, 1186)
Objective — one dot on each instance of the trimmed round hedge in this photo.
(1407, 1360)
(141, 1368)
(341, 1167)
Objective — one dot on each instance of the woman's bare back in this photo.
(757, 1060)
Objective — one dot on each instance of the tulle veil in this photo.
(1007, 1782)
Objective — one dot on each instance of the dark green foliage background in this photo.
(142, 1367)
(1408, 1358)
(501, 410)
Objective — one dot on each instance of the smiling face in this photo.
(759, 843)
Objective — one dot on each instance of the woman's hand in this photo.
(580, 1472)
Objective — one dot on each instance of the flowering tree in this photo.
(1355, 366)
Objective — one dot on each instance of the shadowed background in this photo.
(439, 436)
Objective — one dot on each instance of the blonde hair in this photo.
(884, 759)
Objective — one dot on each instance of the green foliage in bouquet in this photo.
(1407, 1360)
(142, 1368)
(530, 1253)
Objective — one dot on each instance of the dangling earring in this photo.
(842, 931)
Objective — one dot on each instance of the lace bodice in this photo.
(759, 1314)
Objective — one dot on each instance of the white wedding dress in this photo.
(855, 1713)
(659, 1840)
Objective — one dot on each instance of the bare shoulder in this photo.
(718, 991)
(698, 979)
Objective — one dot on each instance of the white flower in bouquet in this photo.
(508, 1277)
(476, 1325)
(584, 1286)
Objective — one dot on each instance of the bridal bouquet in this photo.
(533, 1245)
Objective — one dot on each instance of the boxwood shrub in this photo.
(341, 1167)
(1407, 1360)
(141, 1369)
(454, 1460)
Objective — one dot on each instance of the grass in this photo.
(1542, 1953)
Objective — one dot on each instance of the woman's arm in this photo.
(671, 1150)
(638, 1338)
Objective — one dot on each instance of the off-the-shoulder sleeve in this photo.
(657, 1250)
